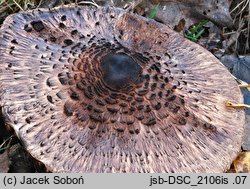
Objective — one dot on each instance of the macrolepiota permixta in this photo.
(98, 89)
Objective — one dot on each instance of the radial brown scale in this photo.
(68, 109)
(153, 86)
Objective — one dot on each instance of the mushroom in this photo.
(99, 89)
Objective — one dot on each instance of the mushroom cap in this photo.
(91, 89)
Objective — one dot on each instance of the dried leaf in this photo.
(242, 163)
(180, 26)
(4, 162)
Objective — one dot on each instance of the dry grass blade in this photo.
(8, 7)
(92, 2)
(6, 143)
(17, 4)
(241, 13)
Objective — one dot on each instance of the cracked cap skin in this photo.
(91, 89)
